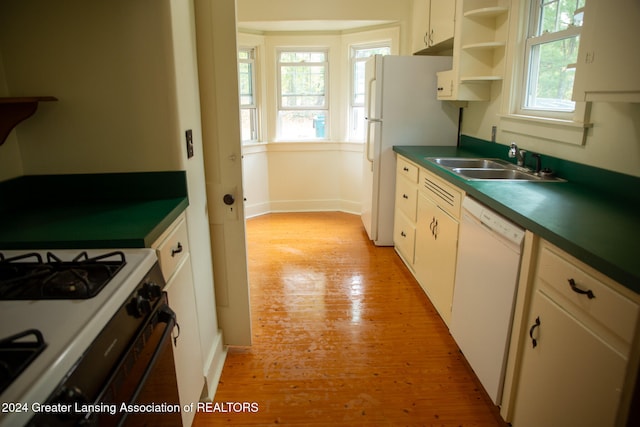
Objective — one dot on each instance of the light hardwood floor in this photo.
(343, 335)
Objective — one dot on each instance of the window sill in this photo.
(567, 131)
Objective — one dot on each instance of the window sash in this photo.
(311, 71)
(532, 46)
(247, 94)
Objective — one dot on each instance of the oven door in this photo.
(144, 388)
(140, 390)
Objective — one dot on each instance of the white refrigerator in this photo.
(401, 109)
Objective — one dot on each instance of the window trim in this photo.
(562, 127)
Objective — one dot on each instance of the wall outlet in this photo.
(189, 137)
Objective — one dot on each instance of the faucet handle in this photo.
(513, 151)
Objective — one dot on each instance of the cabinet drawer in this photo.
(404, 235)
(407, 197)
(407, 169)
(606, 307)
(172, 247)
(446, 196)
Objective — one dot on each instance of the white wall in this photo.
(107, 63)
(125, 74)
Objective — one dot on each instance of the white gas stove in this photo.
(66, 327)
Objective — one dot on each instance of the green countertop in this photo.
(600, 228)
(89, 211)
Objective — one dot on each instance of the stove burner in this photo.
(27, 276)
(16, 354)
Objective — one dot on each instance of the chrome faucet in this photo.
(519, 154)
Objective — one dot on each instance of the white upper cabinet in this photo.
(608, 64)
(433, 25)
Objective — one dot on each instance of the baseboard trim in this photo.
(213, 367)
(280, 206)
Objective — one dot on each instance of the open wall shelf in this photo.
(15, 110)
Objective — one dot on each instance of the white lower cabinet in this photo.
(436, 242)
(174, 258)
(435, 254)
(427, 210)
(571, 377)
(575, 368)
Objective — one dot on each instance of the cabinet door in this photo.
(571, 377)
(606, 68)
(420, 25)
(441, 20)
(186, 351)
(435, 254)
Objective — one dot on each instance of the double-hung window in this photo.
(303, 99)
(359, 55)
(248, 104)
(551, 51)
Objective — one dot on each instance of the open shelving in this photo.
(16, 109)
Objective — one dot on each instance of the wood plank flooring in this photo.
(343, 336)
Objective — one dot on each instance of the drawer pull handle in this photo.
(403, 234)
(577, 290)
(404, 196)
(533, 328)
(406, 169)
(177, 250)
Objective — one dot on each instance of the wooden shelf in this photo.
(484, 45)
(478, 79)
(15, 110)
(486, 12)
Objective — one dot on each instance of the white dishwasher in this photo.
(487, 269)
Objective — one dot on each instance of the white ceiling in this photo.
(310, 25)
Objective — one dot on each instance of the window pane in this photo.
(551, 75)
(358, 123)
(246, 83)
(558, 15)
(247, 124)
(302, 86)
(365, 53)
(307, 124)
(361, 56)
(294, 57)
(358, 83)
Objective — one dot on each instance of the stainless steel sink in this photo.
(508, 174)
(489, 169)
(459, 162)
